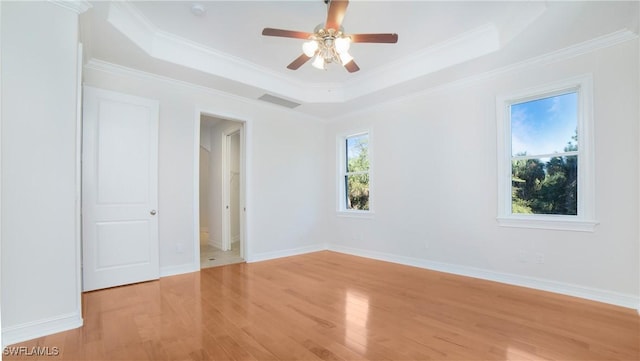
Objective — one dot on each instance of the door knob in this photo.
(153, 212)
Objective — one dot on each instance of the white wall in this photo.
(284, 170)
(40, 268)
(436, 184)
(435, 173)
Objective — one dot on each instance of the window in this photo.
(545, 157)
(355, 173)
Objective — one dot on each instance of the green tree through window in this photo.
(357, 172)
(546, 164)
(545, 182)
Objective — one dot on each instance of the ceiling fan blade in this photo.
(351, 66)
(298, 62)
(374, 38)
(286, 33)
(335, 14)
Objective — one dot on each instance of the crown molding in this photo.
(486, 39)
(119, 70)
(77, 6)
(169, 47)
(595, 44)
(483, 40)
(470, 45)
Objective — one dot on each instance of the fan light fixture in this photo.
(328, 46)
(328, 43)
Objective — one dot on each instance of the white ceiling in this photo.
(439, 42)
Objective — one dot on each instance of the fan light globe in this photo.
(342, 45)
(309, 48)
(318, 62)
(345, 58)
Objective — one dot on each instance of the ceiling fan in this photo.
(328, 43)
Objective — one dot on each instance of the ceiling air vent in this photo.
(279, 101)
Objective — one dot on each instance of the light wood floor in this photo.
(330, 306)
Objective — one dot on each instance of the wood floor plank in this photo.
(332, 307)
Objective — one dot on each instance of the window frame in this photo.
(585, 219)
(341, 171)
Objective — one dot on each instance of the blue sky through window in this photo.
(544, 126)
(354, 147)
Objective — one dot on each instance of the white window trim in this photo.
(585, 220)
(341, 207)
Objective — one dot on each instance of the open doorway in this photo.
(221, 191)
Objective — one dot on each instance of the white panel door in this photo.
(119, 189)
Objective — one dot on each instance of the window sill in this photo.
(560, 223)
(355, 214)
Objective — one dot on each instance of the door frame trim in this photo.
(78, 178)
(245, 177)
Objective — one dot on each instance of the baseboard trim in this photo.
(265, 256)
(593, 294)
(179, 269)
(34, 329)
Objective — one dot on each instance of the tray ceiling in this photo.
(439, 42)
